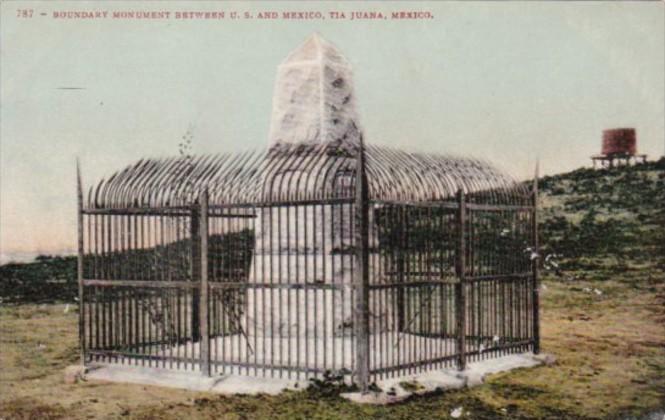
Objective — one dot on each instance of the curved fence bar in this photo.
(289, 173)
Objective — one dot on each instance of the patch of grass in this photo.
(411, 386)
(29, 408)
(331, 385)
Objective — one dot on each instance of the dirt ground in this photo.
(610, 349)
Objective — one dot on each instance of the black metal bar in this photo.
(412, 284)
(140, 283)
(290, 286)
(415, 364)
(361, 273)
(498, 207)
(195, 265)
(203, 308)
(277, 366)
(79, 265)
(401, 270)
(534, 264)
(139, 356)
(460, 288)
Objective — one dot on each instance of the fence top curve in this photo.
(291, 173)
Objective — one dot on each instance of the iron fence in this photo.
(301, 260)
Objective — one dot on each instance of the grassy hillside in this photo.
(607, 220)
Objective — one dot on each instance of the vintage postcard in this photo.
(333, 209)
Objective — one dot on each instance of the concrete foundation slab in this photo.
(392, 390)
(193, 381)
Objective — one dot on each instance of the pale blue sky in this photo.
(503, 81)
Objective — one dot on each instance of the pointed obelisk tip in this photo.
(315, 48)
(317, 39)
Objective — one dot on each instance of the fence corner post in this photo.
(361, 274)
(534, 267)
(79, 262)
(460, 286)
(204, 342)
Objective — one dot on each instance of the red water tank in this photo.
(619, 141)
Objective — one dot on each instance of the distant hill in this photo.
(608, 220)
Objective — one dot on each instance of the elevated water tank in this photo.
(619, 141)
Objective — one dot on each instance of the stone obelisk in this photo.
(313, 100)
(313, 103)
